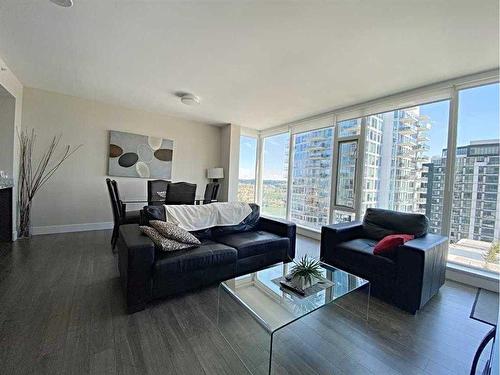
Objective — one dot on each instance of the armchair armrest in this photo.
(281, 228)
(136, 253)
(421, 268)
(333, 234)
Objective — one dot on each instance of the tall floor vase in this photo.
(25, 219)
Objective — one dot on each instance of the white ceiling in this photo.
(255, 63)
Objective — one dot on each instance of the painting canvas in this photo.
(135, 155)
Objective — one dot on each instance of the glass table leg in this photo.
(243, 335)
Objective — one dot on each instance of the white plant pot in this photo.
(301, 283)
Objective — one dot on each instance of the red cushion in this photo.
(391, 242)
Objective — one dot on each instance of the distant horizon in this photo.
(477, 105)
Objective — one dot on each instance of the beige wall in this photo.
(77, 193)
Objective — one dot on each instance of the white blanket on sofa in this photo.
(191, 217)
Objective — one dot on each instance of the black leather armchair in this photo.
(410, 276)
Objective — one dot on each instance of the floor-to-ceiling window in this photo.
(398, 160)
(311, 177)
(248, 159)
(475, 218)
(275, 174)
(402, 147)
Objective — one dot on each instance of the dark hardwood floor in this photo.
(62, 312)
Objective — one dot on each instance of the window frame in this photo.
(338, 140)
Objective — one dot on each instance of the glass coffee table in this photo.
(254, 308)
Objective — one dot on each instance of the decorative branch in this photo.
(31, 179)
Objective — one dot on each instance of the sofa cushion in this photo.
(208, 254)
(379, 223)
(254, 243)
(152, 213)
(356, 256)
(248, 224)
(131, 217)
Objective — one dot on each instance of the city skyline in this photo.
(404, 170)
(483, 100)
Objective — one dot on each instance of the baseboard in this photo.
(51, 229)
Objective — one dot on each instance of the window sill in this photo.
(470, 278)
(309, 232)
(483, 275)
(465, 275)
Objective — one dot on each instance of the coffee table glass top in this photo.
(274, 306)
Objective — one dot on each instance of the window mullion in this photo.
(450, 164)
(258, 170)
(333, 172)
(290, 176)
(358, 189)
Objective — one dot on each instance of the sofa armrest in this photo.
(281, 228)
(333, 234)
(136, 254)
(421, 269)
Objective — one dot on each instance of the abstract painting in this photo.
(135, 155)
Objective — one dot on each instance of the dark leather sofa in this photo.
(410, 276)
(148, 273)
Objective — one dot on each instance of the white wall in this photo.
(230, 158)
(14, 87)
(77, 193)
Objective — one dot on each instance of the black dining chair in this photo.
(157, 190)
(120, 213)
(116, 212)
(180, 193)
(126, 217)
(211, 192)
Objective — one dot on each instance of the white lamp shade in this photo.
(215, 173)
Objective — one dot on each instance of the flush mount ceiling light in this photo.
(190, 99)
(63, 3)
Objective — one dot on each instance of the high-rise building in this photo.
(475, 192)
(395, 154)
(311, 177)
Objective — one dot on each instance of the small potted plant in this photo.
(306, 272)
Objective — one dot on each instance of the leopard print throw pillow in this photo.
(163, 243)
(173, 232)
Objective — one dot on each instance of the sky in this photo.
(248, 157)
(275, 157)
(478, 119)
